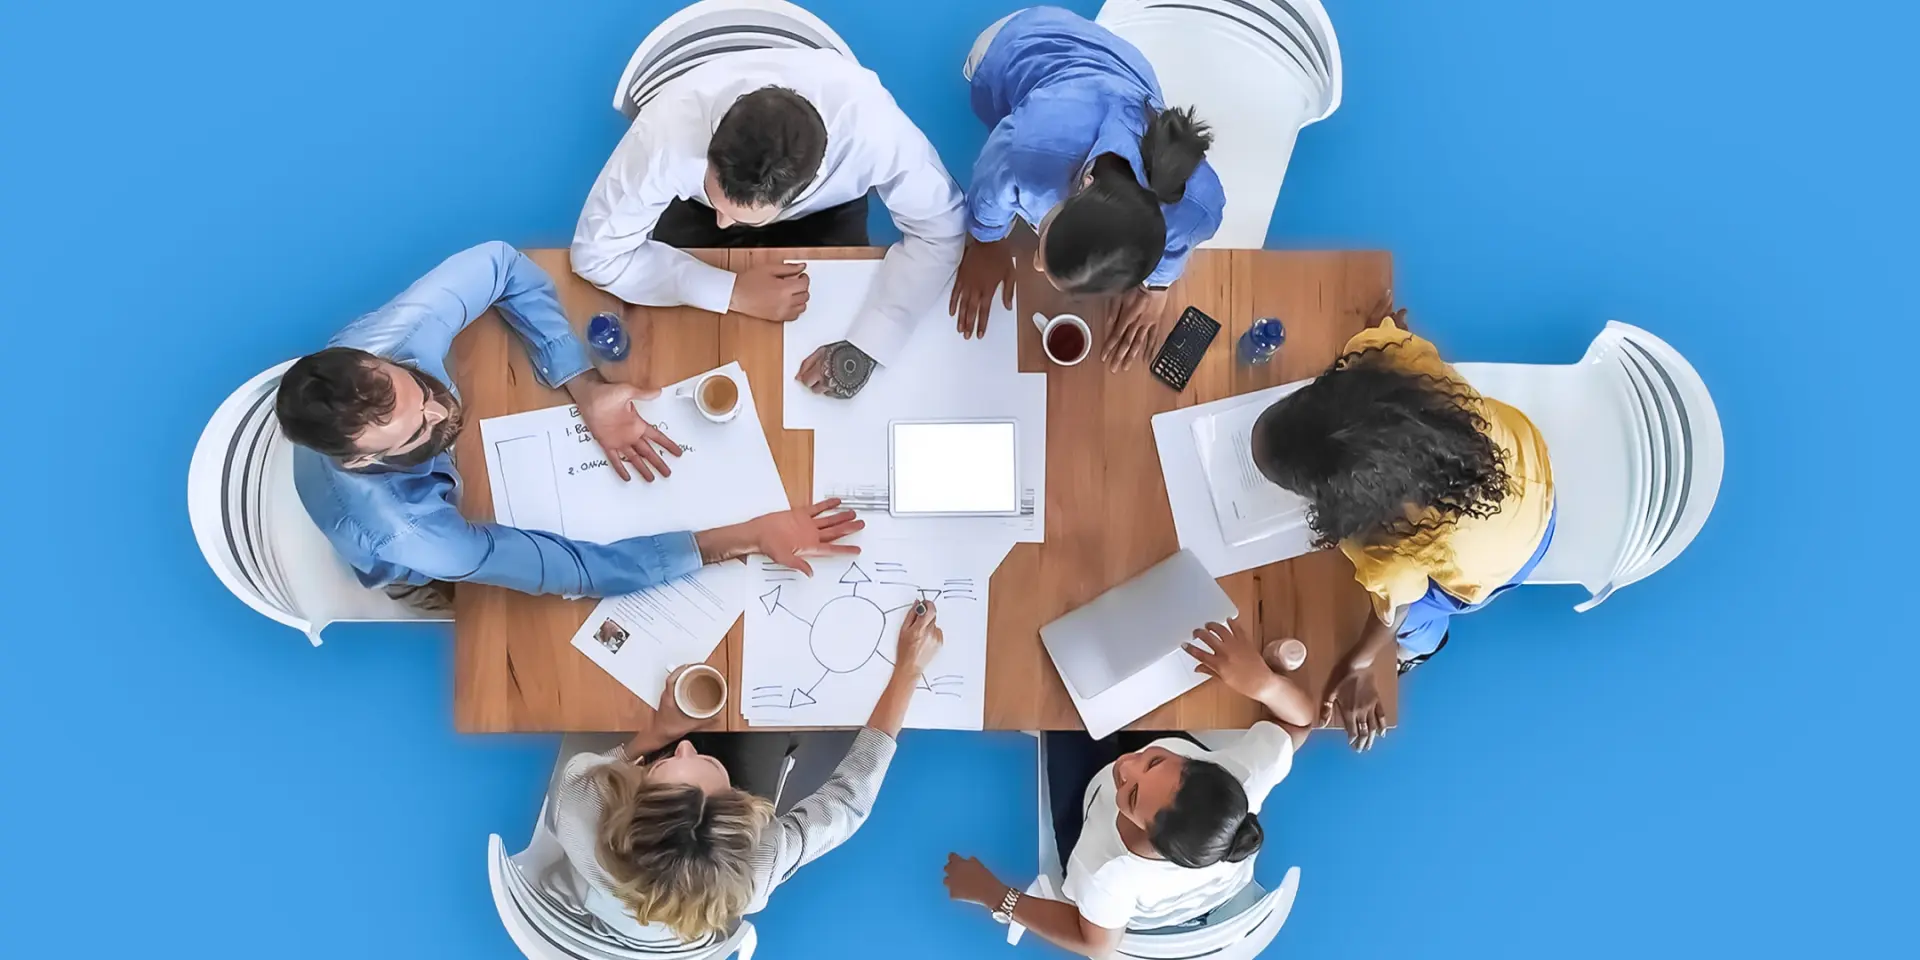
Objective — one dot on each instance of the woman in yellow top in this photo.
(1442, 498)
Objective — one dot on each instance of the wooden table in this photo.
(1107, 513)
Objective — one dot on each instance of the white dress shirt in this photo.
(870, 145)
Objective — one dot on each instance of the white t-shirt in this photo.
(1115, 888)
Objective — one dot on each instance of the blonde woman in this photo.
(673, 853)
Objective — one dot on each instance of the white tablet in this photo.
(953, 468)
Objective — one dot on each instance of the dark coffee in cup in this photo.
(1066, 342)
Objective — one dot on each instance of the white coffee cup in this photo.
(697, 392)
(1286, 655)
(1048, 327)
(700, 691)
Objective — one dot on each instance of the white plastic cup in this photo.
(688, 692)
(1287, 655)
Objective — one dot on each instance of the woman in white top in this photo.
(672, 853)
(1161, 835)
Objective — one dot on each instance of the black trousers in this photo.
(1073, 760)
(686, 224)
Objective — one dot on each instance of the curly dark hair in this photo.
(1373, 448)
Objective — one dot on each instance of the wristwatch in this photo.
(1007, 903)
(848, 368)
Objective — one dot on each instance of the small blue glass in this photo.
(1262, 340)
(608, 337)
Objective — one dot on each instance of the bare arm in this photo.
(1057, 922)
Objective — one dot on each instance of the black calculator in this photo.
(1186, 343)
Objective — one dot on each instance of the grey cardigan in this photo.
(815, 825)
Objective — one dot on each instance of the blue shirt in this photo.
(1060, 90)
(401, 525)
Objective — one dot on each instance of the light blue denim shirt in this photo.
(1058, 91)
(402, 525)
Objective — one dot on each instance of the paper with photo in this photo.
(640, 638)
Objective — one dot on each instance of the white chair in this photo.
(1236, 930)
(1637, 455)
(254, 531)
(711, 28)
(1256, 70)
(539, 918)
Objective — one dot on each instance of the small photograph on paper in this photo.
(611, 635)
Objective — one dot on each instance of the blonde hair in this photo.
(676, 855)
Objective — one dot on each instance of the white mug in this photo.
(1047, 327)
(699, 387)
(682, 698)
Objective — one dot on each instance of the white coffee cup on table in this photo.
(700, 691)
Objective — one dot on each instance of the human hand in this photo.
(607, 410)
(837, 370)
(920, 640)
(669, 721)
(770, 291)
(788, 537)
(1234, 658)
(983, 266)
(1133, 327)
(969, 881)
(1355, 700)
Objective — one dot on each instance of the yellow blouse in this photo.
(1474, 555)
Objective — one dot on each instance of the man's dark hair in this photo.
(1207, 820)
(1110, 234)
(768, 147)
(327, 398)
(1367, 440)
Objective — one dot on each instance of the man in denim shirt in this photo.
(374, 417)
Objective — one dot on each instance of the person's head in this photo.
(1109, 235)
(1372, 448)
(361, 410)
(677, 838)
(1193, 811)
(767, 148)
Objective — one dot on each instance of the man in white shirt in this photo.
(1159, 836)
(768, 148)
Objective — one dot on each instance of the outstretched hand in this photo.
(607, 410)
(790, 536)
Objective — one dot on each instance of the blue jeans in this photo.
(1425, 626)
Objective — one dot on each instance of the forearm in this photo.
(1376, 639)
(1289, 704)
(890, 711)
(1060, 924)
(537, 562)
(721, 544)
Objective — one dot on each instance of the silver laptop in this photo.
(1126, 629)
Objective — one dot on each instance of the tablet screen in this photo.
(963, 467)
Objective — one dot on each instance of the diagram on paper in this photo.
(818, 650)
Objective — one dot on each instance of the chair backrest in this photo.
(253, 529)
(702, 31)
(1637, 455)
(1240, 928)
(1257, 71)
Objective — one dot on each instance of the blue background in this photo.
(1714, 762)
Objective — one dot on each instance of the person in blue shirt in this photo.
(374, 417)
(1085, 150)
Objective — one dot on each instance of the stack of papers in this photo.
(1248, 506)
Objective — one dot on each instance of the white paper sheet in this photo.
(548, 474)
(1247, 505)
(1194, 517)
(818, 650)
(936, 362)
(850, 462)
(642, 637)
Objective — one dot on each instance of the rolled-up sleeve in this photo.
(613, 245)
(993, 195)
(442, 545)
(826, 818)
